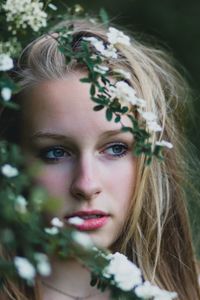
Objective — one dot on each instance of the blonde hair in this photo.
(156, 234)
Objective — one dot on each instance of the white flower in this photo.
(43, 265)
(149, 116)
(20, 204)
(116, 36)
(124, 74)
(57, 223)
(6, 62)
(24, 268)
(23, 13)
(149, 291)
(52, 230)
(154, 126)
(101, 69)
(164, 144)
(124, 93)
(108, 52)
(6, 93)
(11, 47)
(165, 295)
(9, 171)
(52, 6)
(75, 221)
(126, 274)
(151, 120)
(82, 239)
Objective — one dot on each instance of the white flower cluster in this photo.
(23, 13)
(21, 204)
(115, 37)
(6, 93)
(11, 47)
(128, 277)
(6, 62)
(26, 269)
(126, 274)
(9, 171)
(56, 225)
(125, 93)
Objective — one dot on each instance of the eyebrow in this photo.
(57, 136)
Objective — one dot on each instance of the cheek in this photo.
(122, 182)
(53, 180)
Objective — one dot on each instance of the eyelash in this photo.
(43, 154)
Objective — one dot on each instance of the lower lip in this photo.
(92, 224)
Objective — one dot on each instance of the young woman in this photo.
(88, 164)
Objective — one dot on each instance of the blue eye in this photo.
(117, 150)
(53, 153)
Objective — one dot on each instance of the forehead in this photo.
(64, 105)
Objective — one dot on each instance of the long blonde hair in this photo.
(156, 234)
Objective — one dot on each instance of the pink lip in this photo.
(92, 223)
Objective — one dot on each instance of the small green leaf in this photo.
(98, 107)
(109, 114)
(124, 109)
(92, 90)
(117, 119)
(86, 79)
(104, 16)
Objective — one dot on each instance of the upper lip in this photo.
(81, 213)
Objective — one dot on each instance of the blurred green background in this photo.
(176, 25)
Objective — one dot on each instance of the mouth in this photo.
(87, 220)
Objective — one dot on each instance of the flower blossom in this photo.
(108, 51)
(52, 6)
(20, 204)
(126, 274)
(6, 93)
(51, 231)
(101, 69)
(125, 93)
(24, 268)
(116, 36)
(6, 62)
(9, 171)
(57, 223)
(151, 120)
(164, 143)
(43, 265)
(75, 221)
(82, 239)
(149, 291)
(23, 13)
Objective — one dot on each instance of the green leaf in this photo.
(98, 107)
(86, 80)
(104, 16)
(109, 114)
(124, 109)
(92, 90)
(117, 119)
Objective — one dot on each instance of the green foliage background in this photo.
(176, 25)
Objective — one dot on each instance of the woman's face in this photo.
(87, 162)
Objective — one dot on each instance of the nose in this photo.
(85, 184)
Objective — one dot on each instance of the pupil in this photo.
(117, 149)
(58, 152)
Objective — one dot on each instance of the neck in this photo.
(69, 280)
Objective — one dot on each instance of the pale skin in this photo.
(87, 163)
